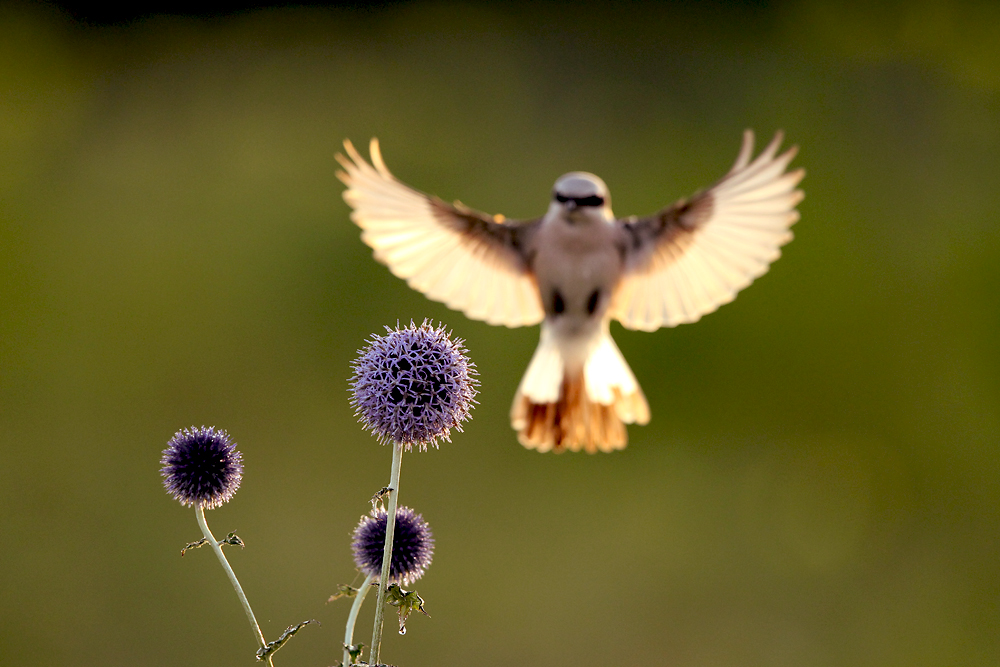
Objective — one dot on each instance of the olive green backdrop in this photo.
(818, 485)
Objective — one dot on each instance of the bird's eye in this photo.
(562, 199)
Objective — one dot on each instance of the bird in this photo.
(576, 268)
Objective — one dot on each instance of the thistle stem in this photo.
(199, 512)
(390, 529)
(353, 617)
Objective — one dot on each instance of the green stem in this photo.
(353, 617)
(390, 529)
(199, 512)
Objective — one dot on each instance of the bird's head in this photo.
(579, 196)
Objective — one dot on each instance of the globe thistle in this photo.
(412, 545)
(202, 466)
(413, 385)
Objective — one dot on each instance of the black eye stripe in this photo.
(592, 200)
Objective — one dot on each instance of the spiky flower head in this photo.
(413, 385)
(412, 545)
(202, 465)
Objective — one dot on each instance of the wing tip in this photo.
(352, 152)
(375, 151)
(746, 150)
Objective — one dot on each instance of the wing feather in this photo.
(694, 256)
(463, 258)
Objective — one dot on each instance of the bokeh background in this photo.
(818, 485)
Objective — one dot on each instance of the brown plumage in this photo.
(573, 422)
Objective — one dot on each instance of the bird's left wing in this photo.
(468, 260)
(694, 256)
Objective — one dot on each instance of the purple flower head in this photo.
(202, 465)
(412, 545)
(413, 385)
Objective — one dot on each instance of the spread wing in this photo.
(468, 260)
(694, 256)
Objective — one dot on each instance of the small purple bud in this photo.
(202, 465)
(412, 545)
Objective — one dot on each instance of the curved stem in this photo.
(353, 617)
(199, 512)
(390, 529)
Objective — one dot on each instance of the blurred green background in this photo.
(818, 485)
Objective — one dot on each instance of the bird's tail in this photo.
(557, 407)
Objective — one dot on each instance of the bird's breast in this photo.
(577, 269)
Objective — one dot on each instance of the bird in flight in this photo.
(575, 269)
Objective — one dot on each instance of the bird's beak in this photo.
(570, 206)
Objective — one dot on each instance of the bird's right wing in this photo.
(694, 256)
(468, 260)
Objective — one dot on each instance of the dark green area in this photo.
(818, 485)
